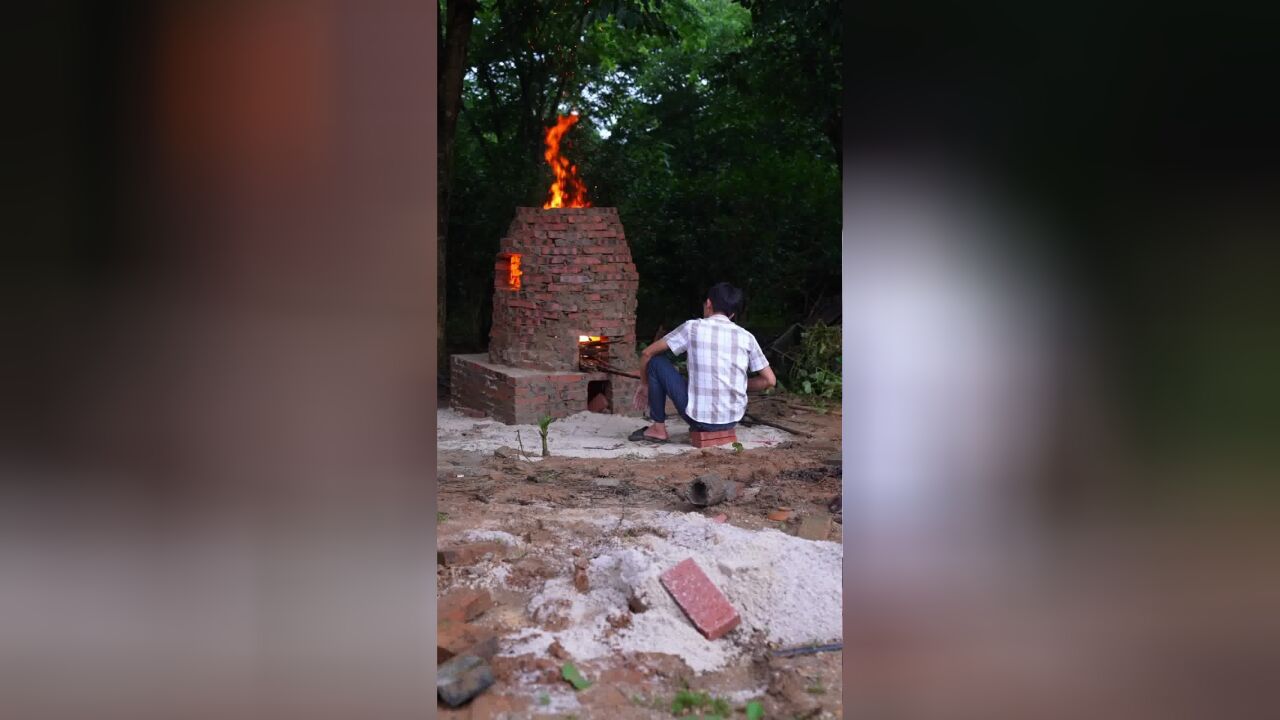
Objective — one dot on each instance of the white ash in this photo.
(784, 587)
(558, 703)
(585, 434)
(498, 536)
(740, 697)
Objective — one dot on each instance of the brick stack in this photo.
(577, 278)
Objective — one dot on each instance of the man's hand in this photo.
(763, 381)
(641, 399)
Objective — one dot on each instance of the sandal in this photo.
(639, 436)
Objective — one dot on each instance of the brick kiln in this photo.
(564, 303)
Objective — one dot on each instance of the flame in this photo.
(589, 338)
(514, 272)
(568, 189)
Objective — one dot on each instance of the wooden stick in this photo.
(808, 650)
(793, 431)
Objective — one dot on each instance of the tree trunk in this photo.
(452, 68)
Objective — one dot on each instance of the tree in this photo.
(451, 66)
(721, 155)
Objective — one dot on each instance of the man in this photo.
(721, 354)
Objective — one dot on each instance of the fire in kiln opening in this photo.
(593, 352)
(514, 272)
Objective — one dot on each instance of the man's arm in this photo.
(763, 381)
(649, 352)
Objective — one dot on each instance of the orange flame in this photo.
(514, 272)
(568, 189)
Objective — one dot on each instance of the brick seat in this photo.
(699, 438)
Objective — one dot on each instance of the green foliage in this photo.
(755, 710)
(571, 673)
(441, 517)
(707, 123)
(737, 448)
(815, 365)
(687, 702)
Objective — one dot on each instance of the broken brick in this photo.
(455, 638)
(699, 598)
(468, 554)
(463, 605)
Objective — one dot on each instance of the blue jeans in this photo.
(665, 381)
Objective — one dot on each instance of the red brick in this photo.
(699, 598)
(709, 439)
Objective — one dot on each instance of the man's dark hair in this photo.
(725, 298)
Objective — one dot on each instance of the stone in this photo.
(635, 604)
(815, 527)
(580, 580)
(607, 482)
(699, 598)
(462, 678)
(781, 515)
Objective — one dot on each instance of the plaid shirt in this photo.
(720, 355)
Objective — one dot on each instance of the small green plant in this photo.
(687, 702)
(544, 699)
(816, 688)
(544, 426)
(441, 517)
(737, 447)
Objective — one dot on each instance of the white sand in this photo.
(586, 434)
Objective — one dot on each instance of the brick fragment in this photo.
(468, 554)
(463, 605)
(455, 638)
(699, 598)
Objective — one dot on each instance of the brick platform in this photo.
(518, 396)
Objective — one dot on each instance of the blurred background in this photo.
(1061, 402)
(218, 352)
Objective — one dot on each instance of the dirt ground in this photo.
(802, 475)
